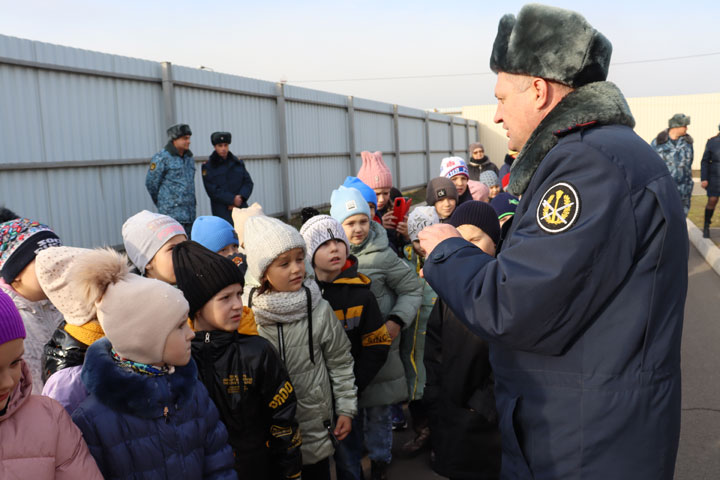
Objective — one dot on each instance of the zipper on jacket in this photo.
(207, 337)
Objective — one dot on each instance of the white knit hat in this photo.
(240, 216)
(145, 233)
(420, 218)
(51, 267)
(451, 166)
(266, 238)
(136, 313)
(318, 230)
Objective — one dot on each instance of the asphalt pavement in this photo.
(699, 452)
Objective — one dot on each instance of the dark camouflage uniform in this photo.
(678, 156)
(170, 181)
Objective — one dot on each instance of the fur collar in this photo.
(134, 393)
(664, 137)
(599, 103)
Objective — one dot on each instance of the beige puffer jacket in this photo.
(315, 384)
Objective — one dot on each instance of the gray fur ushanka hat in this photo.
(551, 43)
(679, 120)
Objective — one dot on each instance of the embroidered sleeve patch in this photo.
(559, 208)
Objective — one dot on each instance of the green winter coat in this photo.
(399, 295)
(316, 385)
(412, 343)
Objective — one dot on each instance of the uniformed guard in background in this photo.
(675, 147)
(227, 181)
(170, 180)
(710, 178)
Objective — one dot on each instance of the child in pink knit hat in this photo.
(375, 173)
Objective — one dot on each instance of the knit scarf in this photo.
(598, 103)
(142, 368)
(87, 333)
(284, 307)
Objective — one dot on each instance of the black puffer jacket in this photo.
(62, 351)
(475, 168)
(460, 395)
(252, 391)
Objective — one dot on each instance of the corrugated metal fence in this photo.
(78, 128)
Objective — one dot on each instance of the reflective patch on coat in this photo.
(351, 318)
(559, 208)
(381, 336)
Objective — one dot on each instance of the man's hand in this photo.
(389, 221)
(431, 236)
(704, 184)
(393, 329)
(238, 200)
(342, 427)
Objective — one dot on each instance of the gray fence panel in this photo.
(412, 134)
(315, 178)
(439, 136)
(459, 139)
(266, 177)
(20, 116)
(412, 167)
(251, 120)
(140, 124)
(435, 160)
(314, 96)
(472, 133)
(221, 80)
(374, 132)
(316, 129)
(26, 193)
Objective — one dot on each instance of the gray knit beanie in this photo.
(318, 230)
(145, 233)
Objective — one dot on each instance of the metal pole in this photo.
(282, 135)
(427, 146)
(477, 128)
(354, 167)
(452, 136)
(467, 139)
(168, 89)
(396, 141)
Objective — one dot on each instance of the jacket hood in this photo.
(376, 241)
(134, 393)
(664, 137)
(21, 393)
(247, 323)
(599, 103)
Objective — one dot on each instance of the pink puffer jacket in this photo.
(39, 441)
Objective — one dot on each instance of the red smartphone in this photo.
(401, 207)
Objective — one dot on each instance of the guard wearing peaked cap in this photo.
(585, 351)
(227, 181)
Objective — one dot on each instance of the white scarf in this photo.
(285, 307)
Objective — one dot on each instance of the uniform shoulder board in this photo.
(559, 208)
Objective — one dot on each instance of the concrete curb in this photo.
(705, 246)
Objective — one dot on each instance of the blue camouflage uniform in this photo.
(170, 181)
(678, 156)
(223, 179)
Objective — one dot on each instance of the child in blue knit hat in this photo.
(216, 234)
(399, 295)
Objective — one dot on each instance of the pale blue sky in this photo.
(329, 40)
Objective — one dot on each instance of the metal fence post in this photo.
(467, 139)
(396, 141)
(282, 135)
(477, 128)
(452, 136)
(354, 167)
(168, 89)
(427, 147)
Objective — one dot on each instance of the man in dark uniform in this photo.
(227, 181)
(583, 306)
(710, 179)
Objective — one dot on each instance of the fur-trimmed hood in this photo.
(599, 103)
(133, 393)
(664, 136)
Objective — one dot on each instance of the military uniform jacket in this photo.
(223, 179)
(678, 157)
(170, 181)
(252, 391)
(583, 307)
(710, 166)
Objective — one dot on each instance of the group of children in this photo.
(253, 350)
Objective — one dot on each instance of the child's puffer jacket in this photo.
(141, 427)
(38, 440)
(316, 384)
(399, 295)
